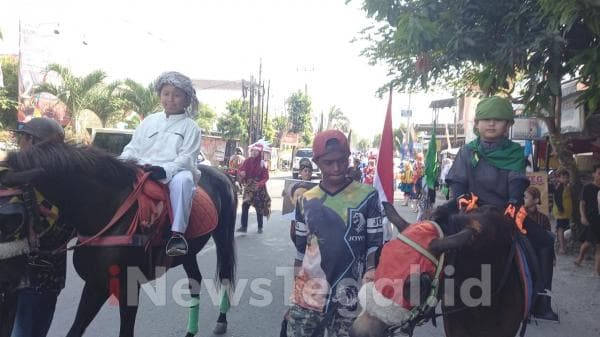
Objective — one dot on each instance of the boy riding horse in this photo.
(167, 144)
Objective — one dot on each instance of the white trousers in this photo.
(181, 193)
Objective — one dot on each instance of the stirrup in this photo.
(176, 251)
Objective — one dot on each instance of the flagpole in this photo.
(383, 181)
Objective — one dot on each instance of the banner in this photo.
(292, 189)
(36, 45)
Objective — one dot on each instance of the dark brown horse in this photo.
(89, 185)
(479, 238)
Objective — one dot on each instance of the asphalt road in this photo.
(264, 281)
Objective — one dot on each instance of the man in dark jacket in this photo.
(46, 273)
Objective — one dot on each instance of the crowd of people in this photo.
(492, 167)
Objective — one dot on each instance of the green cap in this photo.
(494, 107)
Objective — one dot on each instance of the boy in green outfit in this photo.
(493, 168)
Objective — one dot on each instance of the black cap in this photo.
(42, 128)
(305, 162)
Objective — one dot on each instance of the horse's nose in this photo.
(360, 327)
(366, 325)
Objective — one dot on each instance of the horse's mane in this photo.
(452, 221)
(63, 160)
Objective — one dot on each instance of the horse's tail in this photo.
(224, 235)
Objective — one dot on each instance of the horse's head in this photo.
(471, 239)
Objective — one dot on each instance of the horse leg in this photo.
(127, 312)
(90, 303)
(195, 280)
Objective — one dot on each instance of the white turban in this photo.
(179, 80)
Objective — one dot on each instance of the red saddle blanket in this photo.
(154, 217)
(399, 260)
(203, 218)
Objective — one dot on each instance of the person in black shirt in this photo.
(590, 217)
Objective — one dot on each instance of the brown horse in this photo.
(481, 237)
(88, 186)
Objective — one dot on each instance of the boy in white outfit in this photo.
(167, 144)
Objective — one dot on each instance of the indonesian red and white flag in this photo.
(384, 175)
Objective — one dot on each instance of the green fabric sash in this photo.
(508, 155)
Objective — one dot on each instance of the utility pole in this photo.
(259, 101)
(268, 94)
(455, 126)
(251, 112)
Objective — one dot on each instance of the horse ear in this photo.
(453, 241)
(11, 178)
(394, 217)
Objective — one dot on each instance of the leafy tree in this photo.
(269, 132)
(280, 125)
(398, 138)
(234, 124)
(337, 120)
(9, 93)
(522, 49)
(142, 99)
(299, 110)
(364, 144)
(206, 117)
(376, 140)
(73, 91)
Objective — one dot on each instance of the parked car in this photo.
(304, 153)
(114, 140)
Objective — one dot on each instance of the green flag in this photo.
(431, 163)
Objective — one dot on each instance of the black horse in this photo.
(89, 185)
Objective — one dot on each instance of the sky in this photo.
(302, 43)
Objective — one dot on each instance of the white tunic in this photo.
(171, 142)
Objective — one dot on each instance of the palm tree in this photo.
(106, 102)
(143, 100)
(337, 120)
(73, 91)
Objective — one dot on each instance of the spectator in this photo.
(254, 176)
(369, 173)
(541, 238)
(355, 172)
(562, 209)
(446, 165)
(590, 217)
(406, 181)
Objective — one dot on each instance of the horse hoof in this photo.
(189, 334)
(220, 328)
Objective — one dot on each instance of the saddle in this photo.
(154, 217)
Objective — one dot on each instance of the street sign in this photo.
(406, 113)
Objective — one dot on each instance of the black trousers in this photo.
(543, 244)
(245, 209)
